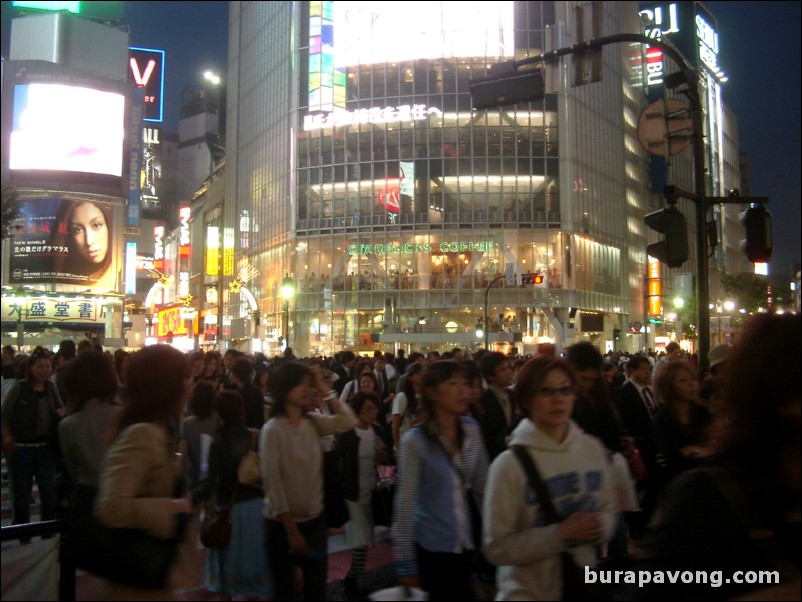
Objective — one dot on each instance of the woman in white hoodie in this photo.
(575, 468)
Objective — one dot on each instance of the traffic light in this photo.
(533, 278)
(757, 225)
(491, 93)
(616, 334)
(673, 249)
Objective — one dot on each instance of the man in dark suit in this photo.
(498, 411)
(636, 407)
(344, 370)
(241, 377)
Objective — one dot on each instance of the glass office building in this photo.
(357, 167)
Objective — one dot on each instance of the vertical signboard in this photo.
(146, 70)
(655, 306)
(212, 250)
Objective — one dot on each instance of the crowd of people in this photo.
(507, 470)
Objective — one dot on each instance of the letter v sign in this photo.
(142, 79)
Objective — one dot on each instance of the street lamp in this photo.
(287, 292)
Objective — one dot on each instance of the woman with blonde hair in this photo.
(680, 424)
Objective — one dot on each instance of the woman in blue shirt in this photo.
(441, 463)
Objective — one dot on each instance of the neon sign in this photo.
(403, 113)
(146, 68)
(659, 24)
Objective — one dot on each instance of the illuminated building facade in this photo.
(356, 165)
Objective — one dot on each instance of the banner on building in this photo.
(67, 241)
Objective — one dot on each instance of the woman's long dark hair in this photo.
(434, 374)
(284, 379)
(90, 375)
(408, 389)
(761, 392)
(73, 262)
(158, 377)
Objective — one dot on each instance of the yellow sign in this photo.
(170, 321)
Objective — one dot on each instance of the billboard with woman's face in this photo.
(66, 241)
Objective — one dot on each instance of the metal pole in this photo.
(287, 322)
(702, 284)
(487, 325)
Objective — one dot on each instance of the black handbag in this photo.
(125, 556)
(336, 510)
(381, 501)
(573, 577)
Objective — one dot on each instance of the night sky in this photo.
(759, 50)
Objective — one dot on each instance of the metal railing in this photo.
(67, 578)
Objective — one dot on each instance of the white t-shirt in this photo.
(400, 407)
(367, 463)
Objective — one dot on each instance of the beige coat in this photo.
(136, 488)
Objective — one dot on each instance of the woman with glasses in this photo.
(518, 538)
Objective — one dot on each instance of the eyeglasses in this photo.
(561, 391)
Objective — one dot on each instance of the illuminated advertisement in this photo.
(67, 128)
(655, 289)
(150, 173)
(130, 268)
(326, 83)
(212, 250)
(102, 10)
(55, 309)
(66, 241)
(146, 71)
(377, 32)
(692, 31)
(170, 322)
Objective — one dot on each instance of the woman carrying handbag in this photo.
(138, 491)
(240, 568)
(359, 452)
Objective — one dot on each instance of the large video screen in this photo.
(57, 127)
(377, 32)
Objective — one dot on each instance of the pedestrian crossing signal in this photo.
(535, 278)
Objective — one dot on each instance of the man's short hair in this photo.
(67, 349)
(672, 346)
(347, 356)
(242, 369)
(584, 356)
(490, 362)
(636, 361)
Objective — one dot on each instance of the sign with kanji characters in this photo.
(54, 309)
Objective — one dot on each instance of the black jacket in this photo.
(21, 411)
(346, 446)
(494, 423)
(637, 422)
